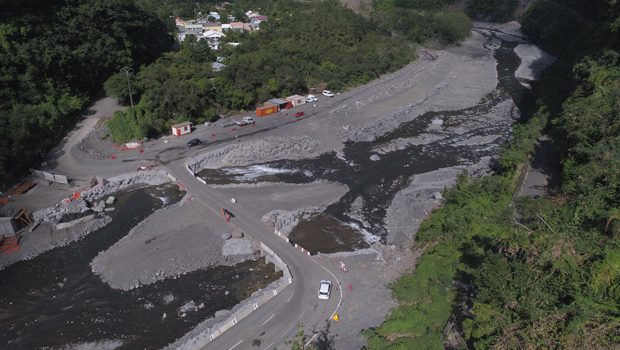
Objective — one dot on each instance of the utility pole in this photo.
(128, 70)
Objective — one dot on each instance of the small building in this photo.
(219, 8)
(238, 26)
(215, 15)
(213, 35)
(212, 26)
(193, 28)
(255, 22)
(217, 66)
(280, 103)
(296, 100)
(182, 129)
(225, 27)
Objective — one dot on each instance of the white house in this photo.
(213, 35)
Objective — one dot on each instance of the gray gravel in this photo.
(412, 204)
(258, 151)
(159, 248)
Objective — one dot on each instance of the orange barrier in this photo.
(125, 148)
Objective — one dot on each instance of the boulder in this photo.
(226, 236)
(375, 158)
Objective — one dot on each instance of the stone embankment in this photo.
(258, 151)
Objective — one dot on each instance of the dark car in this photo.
(194, 142)
(299, 114)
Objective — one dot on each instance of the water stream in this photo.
(377, 182)
(55, 299)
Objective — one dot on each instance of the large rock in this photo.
(226, 236)
(375, 158)
(222, 313)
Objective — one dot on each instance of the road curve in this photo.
(274, 322)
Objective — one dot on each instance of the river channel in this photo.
(376, 182)
(55, 299)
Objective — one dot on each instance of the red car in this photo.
(299, 114)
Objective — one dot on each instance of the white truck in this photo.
(246, 121)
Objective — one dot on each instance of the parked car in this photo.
(299, 114)
(194, 142)
(325, 289)
(328, 93)
(311, 98)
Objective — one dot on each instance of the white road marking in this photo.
(289, 328)
(236, 345)
(268, 346)
(289, 299)
(311, 339)
(302, 313)
(268, 320)
(340, 301)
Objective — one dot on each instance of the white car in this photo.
(325, 288)
(328, 93)
(311, 98)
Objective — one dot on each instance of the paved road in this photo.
(273, 323)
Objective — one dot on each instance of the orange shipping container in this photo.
(276, 107)
(265, 110)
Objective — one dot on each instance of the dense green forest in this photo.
(302, 45)
(547, 279)
(481, 10)
(54, 57)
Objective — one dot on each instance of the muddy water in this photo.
(377, 182)
(54, 299)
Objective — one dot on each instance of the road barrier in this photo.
(282, 236)
(248, 309)
(245, 311)
(302, 249)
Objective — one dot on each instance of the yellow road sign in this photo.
(335, 318)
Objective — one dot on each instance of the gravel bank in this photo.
(160, 248)
(258, 151)
(263, 201)
(412, 204)
(533, 61)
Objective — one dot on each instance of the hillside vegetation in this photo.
(54, 56)
(302, 45)
(549, 279)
